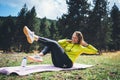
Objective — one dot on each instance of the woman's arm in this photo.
(88, 49)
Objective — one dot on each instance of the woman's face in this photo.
(74, 38)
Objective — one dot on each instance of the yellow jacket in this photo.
(74, 50)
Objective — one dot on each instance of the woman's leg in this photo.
(59, 57)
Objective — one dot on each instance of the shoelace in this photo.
(32, 34)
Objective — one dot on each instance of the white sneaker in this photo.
(35, 58)
(29, 34)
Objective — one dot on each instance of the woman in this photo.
(64, 52)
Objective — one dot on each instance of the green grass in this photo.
(106, 67)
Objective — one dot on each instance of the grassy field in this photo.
(107, 67)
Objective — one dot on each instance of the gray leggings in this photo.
(59, 57)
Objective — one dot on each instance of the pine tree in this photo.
(44, 28)
(98, 24)
(30, 22)
(115, 14)
(76, 18)
(53, 31)
(1, 33)
(31, 19)
(21, 21)
(7, 34)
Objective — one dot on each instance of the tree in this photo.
(21, 21)
(25, 18)
(1, 22)
(7, 34)
(30, 21)
(115, 15)
(44, 28)
(76, 18)
(98, 24)
(53, 31)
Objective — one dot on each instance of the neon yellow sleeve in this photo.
(89, 50)
(62, 41)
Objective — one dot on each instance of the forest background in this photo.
(99, 25)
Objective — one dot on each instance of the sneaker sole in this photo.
(25, 30)
(33, 59)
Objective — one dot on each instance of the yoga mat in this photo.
(22, 71)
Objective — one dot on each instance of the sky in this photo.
(51, 9)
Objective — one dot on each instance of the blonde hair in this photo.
(79, 35)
